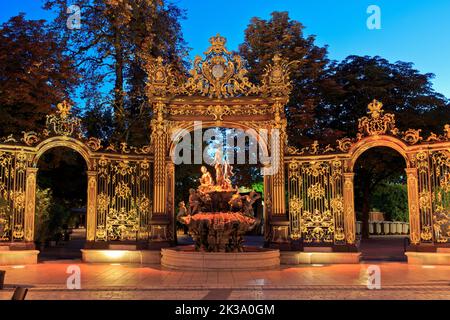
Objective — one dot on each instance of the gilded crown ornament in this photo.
(378, 123)
(217, 45)
(61, 123)
(63, 109)
(375, 109)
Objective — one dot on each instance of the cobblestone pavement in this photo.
(104, 281)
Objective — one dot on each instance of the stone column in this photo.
(30, 203)
(349, 208)
(413, 205)
(91, 212)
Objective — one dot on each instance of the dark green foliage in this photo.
(392, 200)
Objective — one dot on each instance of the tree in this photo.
(392, 199)
(403, 90)
(280, 34)
(35, 74)
(44, 200)
(118, 38)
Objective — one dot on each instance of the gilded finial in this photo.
(218, 45)
(447, 130)
(64, 109)
(375, 108)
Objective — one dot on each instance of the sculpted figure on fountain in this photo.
(206, 181)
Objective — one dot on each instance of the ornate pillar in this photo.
(267, 207)
(160, 222)
(171, 205)
(279, 223)
(30, 203)
(278, 196)
(159, 146)
(349, 208)
(413, 205)
(91, 212)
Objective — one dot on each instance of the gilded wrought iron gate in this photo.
(119, 188)
(321, 190)
(316, 201)
(13, 169)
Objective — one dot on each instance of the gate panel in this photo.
(440, 194)
(123, 200)
(13, 166)
(316, 206)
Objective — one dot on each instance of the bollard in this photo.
(386, 228)
(378, 228)
(371, 228)
(405, 228)
(399, 227)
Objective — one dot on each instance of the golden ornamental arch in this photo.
(320, 182)
(109, 168)
(219, 94)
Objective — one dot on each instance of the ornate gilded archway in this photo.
(321, 190)
(118, 190)
(218, 94)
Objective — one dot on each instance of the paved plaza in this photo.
(104, 281)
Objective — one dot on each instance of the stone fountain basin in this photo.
(253, 258)
(215, 219)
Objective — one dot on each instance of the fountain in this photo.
(218, 218)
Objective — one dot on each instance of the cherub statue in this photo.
(248, 202)
(194, 202)
(235, 202)
(227, 174)
(218, 165)
(182, 211)
(206, 180)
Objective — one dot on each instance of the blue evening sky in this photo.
(412, 30)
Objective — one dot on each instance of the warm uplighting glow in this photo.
(18, 267)
(317, 265)
(115, 253)
(428, 267)
(115, 264)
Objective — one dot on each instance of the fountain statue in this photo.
(218, 215)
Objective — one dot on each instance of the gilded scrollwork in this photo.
(276, 79)
(94, 144)
(30, 138)
(318, 226)
(316, 192)
(377, 123)
(162, 79)
(62, 123)
(123, 201)
(412, 136)
(220, 74)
